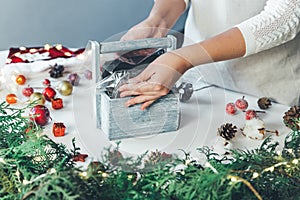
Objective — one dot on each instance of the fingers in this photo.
(146, 104)
(143, 88)
(146, 100)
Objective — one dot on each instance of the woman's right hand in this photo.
(144, 29)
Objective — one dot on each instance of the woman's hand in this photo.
(145, 29)
(155, 81)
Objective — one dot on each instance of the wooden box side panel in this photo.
(118, 122)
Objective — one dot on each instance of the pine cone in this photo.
(291, 118)
(227, 131)
(157, 157)
(264, 103)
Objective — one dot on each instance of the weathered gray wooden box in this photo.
(118, 121)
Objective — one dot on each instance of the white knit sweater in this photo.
(270, 25)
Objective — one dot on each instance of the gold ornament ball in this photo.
(65, 88)
(37, 98)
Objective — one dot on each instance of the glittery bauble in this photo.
(65, 88)
(38, 98)
(27, 91)
(40, 114)
(49, 93)
(11, 98)
(74, 79)
(88, 74)
(20, 80)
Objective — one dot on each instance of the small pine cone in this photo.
(157, 157)
(264, 103)
(291, 118)
(227, 131)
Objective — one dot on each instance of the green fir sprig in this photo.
(32, 166)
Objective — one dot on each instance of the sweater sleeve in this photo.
(278, 23)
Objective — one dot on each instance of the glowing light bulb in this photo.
(47, 47)
(32, 50)
(270, 169)
(255, 175)
(2, 161)
(233, 179)
(22, 48)
(17, 54)
(68, 54)
(83, 174)
(295, 161)
(58, 47)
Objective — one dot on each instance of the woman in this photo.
(256, 40)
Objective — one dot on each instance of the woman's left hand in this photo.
(155, 81)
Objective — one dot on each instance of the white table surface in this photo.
(201, 116)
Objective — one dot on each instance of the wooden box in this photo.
(118, 121)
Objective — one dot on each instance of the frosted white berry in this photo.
(255, 129)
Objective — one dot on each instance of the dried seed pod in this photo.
(264, 103)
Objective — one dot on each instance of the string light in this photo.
(83, 174)
(32, 50)
(68, 54)
(290, 151)
(295, 161)
(58, 47)
(17, 54)
(2, 161)
(269, 169)
(105, 175)
(207, 164)
(47, 47)
(22, 48)
(255, 175)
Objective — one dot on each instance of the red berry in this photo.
(46, 82)
(250, 114)
(49, 93)
(27, 91)
(241, 104)
(40, 114)
(230, 109)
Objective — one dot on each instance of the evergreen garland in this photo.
(32, 166)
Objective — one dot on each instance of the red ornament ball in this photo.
(230, 108)
(241, 104)
(11, 98)
(250, 114)
(40, 114)
(49, 93)
(20, 79)
(46, 82)
(27, 91)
